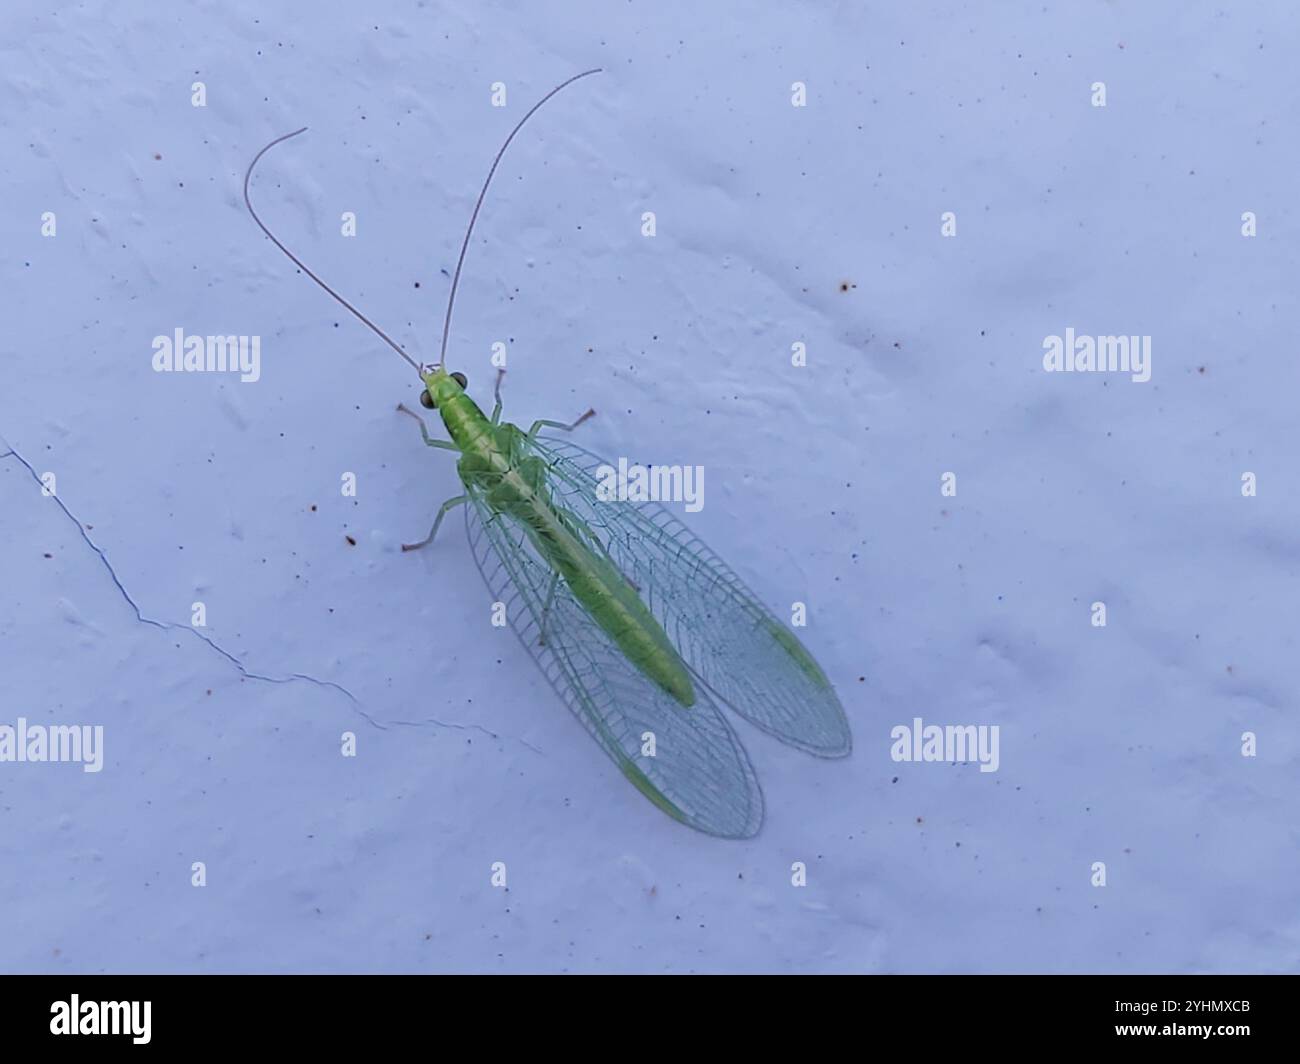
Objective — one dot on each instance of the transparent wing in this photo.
(700, 773)
(724, 634)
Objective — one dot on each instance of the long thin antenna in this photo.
(303, 266)
(455, 280)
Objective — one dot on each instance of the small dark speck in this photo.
(48, 554)
(313, 507)
(157, 155)
(351, 542)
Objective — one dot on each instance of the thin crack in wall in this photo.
(213, 645)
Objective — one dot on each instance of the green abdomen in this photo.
(612, 602)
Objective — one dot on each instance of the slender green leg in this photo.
(442, 512)
(496, 410)
(546, 609)
(446, 445)
(541, 424)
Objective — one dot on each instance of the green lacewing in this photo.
(642, 630)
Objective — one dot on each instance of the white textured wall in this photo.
(1119, 744)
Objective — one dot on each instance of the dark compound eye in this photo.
(426, 400)
(461, 379)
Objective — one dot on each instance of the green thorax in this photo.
(467, 425)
